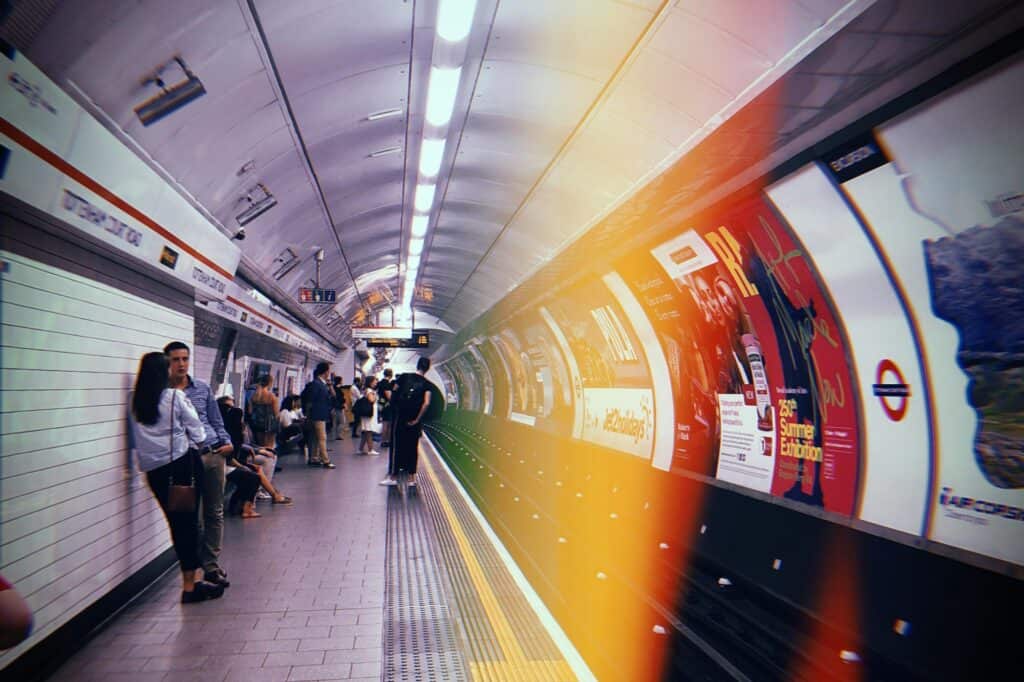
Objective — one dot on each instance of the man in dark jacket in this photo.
(316, 405)
(410, 402)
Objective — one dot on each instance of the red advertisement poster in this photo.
(763, 390)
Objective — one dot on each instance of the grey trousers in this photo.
(212, 518)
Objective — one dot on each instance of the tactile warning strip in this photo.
(420, 633)
(504, 638)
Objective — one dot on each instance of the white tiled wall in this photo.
(76, 517)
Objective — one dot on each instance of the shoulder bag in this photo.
(180, 498)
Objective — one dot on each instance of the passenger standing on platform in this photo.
(264, 413)
(316, 404)
(354, 394)
(384, 389)
(339, 423)
(163, 423)
(214, 450)
(411, 400)
(369, 424)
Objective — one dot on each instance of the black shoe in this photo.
(330, 465)
(202, 592)
(215, 578)
(314, 463)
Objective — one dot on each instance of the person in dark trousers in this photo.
(214, 451)
(163, 423)
(317, 405)
(410, 401)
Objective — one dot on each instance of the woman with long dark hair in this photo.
(163, 423)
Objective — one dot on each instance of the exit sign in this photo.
(311, 295)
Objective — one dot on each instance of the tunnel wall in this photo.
(814, 386)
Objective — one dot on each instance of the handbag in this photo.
(180, 498)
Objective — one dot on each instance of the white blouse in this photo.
(152, 441)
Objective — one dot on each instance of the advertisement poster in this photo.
(524, 393)
(499, 374)
(949, 220)
(475, 362)
(469, 392)
(618, 403)
(555, 407)
(762, 387)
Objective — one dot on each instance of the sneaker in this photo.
(202, 591)
(330, 465)
(263, 495)
(389, 481)
(215, 578)
(373, 452)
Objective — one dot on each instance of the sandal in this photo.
(252, 515)
(284, 500)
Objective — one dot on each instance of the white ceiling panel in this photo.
(691, 93)
(534, 93)
(780, 23)
(327, 42)
(700, 47)
(585, 37)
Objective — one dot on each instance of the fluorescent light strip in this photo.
(455, 18)
(415, 247)
(419, 226)
(424, 197)
(444, 85)
(431, 153)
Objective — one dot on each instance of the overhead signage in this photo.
(317, 295)
(382, 332)
(418, 340)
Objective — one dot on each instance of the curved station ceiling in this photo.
(440, 162)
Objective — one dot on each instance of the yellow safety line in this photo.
(516, 662)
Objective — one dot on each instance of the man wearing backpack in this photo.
(410, 401)
(316, 405)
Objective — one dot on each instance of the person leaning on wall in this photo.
(163, 423)
(15, 616)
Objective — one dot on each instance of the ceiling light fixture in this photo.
(455, 18)
(419, 226)
(385, 152)
(444, 85)
(383, 113)
(431, 152)
(424, 197)
(415, 247)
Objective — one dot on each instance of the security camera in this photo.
(240, 235)
(319, 256)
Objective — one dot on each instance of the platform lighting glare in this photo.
(454, 19)
(444, 84)
(430, 157)
(415, 247)
(424, 197)
(419, 226)
(412, 263)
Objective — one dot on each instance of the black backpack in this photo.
(362, 408)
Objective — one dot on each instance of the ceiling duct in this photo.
(285, 262)
(259, 200)
(170, 98)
